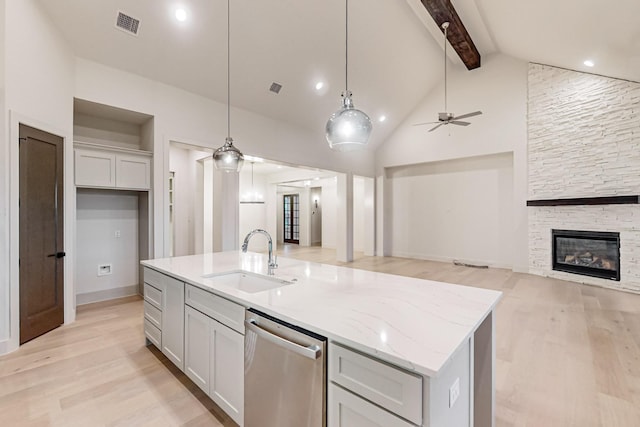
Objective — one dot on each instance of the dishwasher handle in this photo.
(312, 352)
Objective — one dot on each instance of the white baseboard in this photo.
(107, 294)
(7, 346)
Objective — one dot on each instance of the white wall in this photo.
(454, 210)
(38, 83)
(499, 89)
(100, 215)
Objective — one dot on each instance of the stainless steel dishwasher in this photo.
(284, 374)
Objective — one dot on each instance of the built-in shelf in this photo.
(609, 200)
(114, 148)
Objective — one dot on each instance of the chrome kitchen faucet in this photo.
(273, 260)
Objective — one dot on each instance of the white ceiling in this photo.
(395, 57)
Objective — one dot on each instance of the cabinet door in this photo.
(173, 321)
(133, 171)
(95, 168)
(226, 372)
(196, 347)
(346, 409)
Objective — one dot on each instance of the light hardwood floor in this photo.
(567, 355)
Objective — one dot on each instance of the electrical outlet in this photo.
(104, 269)
(117, 234)
(454, 392)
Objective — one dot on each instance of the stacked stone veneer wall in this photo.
(583, 141)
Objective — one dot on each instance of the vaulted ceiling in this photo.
(395, 54)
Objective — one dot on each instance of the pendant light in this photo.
(253, 197)
(228, 158)
(348, 128)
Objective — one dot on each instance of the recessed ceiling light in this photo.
(589, 63)
(382, 118)
(181, 15)
(319, 85)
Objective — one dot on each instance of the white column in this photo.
(226, 206)
(369, 217)
(383, 215)
(344, 215)
(271, 206)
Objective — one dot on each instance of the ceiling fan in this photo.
(446, 117)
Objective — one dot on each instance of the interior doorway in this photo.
(316, 216)
(291, 215)
(41, 231)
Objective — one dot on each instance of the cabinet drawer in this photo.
(393, 388)
(158, 280)
(153, 295)
(345, 409)
(153, 334)
(153, 315)
(224, 311)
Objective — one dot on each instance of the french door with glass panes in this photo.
(291, 218)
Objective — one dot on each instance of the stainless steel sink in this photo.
(246, 282)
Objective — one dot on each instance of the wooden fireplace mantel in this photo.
(608, 200)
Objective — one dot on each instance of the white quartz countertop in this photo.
(413, 323)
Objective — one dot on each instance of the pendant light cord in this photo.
(228, 69)
(346, 46)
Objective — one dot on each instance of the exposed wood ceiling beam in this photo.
(443, 11)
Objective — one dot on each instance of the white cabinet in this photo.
(95, 168)
(226, 371)
(349, 410)
(133, 171)
(363, 388)
(173, 321)
(196, 347)
(153, 315)
(214, 349)
(164, 314)
(99, 166)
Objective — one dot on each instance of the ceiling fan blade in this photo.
(464, 116)
(435, 127)
(425, 123)
(456, 122)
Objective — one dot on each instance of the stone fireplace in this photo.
(583, 154)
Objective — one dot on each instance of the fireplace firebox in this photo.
(590, 253)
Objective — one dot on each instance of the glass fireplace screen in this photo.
(590, 253)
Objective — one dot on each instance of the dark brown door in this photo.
(291, 218)
(41, 233)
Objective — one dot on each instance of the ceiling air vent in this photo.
(127, 23)
(275, 87)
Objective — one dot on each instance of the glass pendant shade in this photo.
(228, 158)
(348, 128)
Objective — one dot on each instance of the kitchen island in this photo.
(441, 334)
